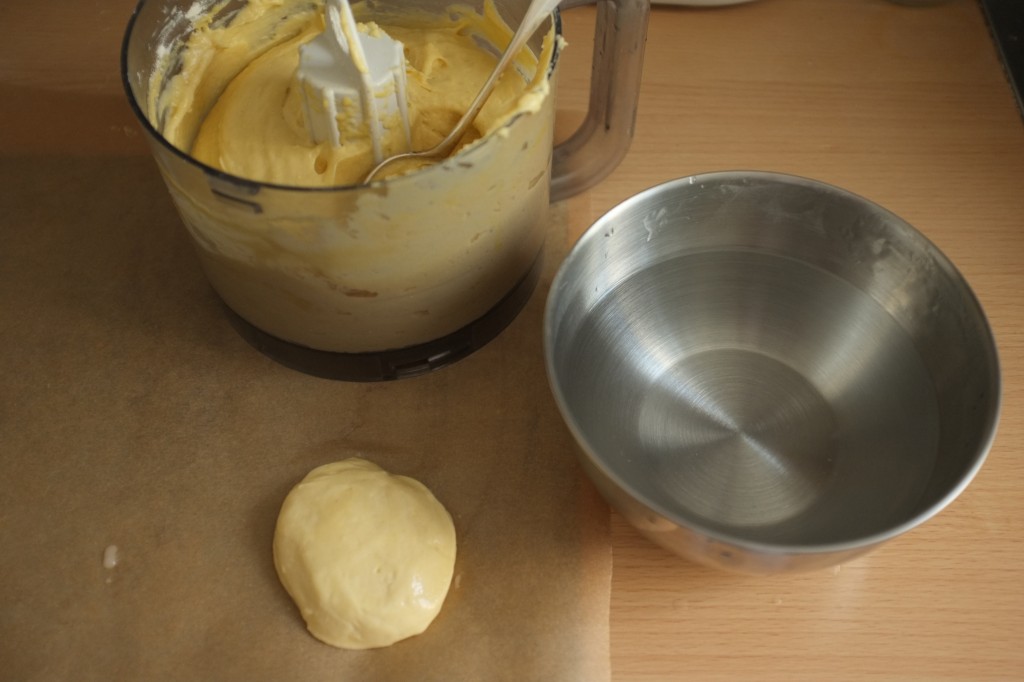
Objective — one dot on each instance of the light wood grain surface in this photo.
(910, 108)
(906, 106)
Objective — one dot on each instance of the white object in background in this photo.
(111, 557)
(350, 79)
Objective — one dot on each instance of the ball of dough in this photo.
(367, 556)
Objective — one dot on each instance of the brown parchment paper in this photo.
(132, 415)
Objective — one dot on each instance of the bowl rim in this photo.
(157, 138)
(694, 523)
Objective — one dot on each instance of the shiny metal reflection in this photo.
(767, 373)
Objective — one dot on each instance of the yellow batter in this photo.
(359, 271)
(236, 104)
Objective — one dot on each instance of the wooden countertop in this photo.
(908, 106)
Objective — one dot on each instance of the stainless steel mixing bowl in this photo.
(766, 373)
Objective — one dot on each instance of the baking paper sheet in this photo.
(132, 416)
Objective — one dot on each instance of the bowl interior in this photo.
(771, 360)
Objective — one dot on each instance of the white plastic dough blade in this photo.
(351, 79)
